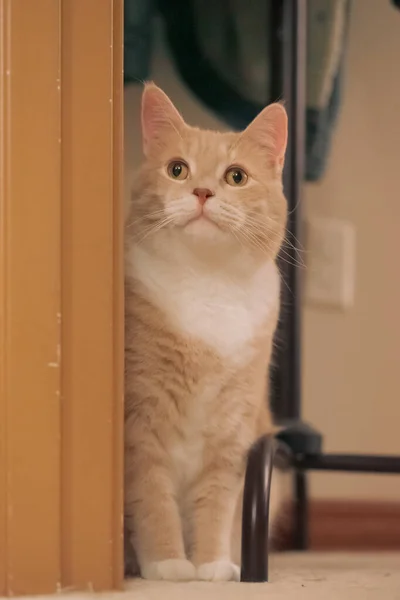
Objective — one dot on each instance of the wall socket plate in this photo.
(330, 255)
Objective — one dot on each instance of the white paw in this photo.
(174, 569)
(220, 570)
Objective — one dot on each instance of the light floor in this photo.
(293, 577)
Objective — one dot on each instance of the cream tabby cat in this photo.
(206, 221)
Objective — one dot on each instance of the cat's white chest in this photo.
(221, 311)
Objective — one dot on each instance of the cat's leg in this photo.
(213, 503)
(153, 517)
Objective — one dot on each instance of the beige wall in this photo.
(351, 360)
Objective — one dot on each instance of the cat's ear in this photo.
(160, 118)
(270, 130)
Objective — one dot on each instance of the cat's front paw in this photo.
(174, 569)
(220, 570)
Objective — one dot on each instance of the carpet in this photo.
(305, 576)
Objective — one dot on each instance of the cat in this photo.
(206, 220)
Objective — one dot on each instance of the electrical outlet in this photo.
(330, 273)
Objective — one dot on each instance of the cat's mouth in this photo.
(202, 217)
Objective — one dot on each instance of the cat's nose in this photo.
(203, 194)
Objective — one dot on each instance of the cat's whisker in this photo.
(283, 280)
(146, 217)
(147, 228)
(290, 244)
(260, 227)
(155, 228)
(284, 253)
(298, 248)
(247, 217)
(237, 238)
(241, 223)
(256, 242)
(264, 230)
(230, 220)
(291, 263)
(297, 256)
(296, 262)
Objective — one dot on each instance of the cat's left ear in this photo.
(160, 119)
(270, 130)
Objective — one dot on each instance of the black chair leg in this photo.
(256, 510)
(301, 511)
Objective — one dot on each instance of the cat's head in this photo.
(210, 188)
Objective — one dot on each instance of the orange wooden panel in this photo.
(3, 413)
(92, 326)
(30, 296)
(118, 290)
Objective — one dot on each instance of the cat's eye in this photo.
(177, 169)
(236, 176)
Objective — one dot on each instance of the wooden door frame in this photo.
(61, 295)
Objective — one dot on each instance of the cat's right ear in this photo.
(160, 119)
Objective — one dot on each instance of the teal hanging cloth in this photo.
(138, 39)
